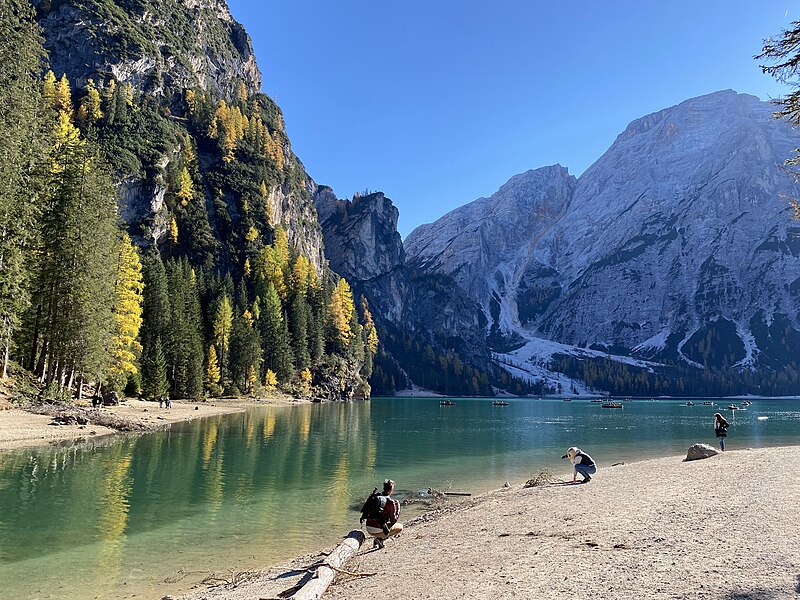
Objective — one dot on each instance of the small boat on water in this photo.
(733, 407)
(500, 403)
(611, 404)
(596, 400)
(447, 403)
(690, 403)
(567, 399)
(708, 403)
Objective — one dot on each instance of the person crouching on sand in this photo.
(384, 525)
(583, 463)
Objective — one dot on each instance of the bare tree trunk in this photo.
(316, 586)
(35, 343)
(7, 351)
(80, 386)
(71, 379)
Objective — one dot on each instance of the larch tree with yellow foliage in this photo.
(342, 309)
(185, 187)
(213, 373)
(223, 324)
(125, 347)
(89, 111)
(173, 231)
(270, 381)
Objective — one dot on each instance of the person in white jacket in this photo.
(583, 464)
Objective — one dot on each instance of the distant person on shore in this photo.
(161, 402)
(720, 429)
(381, 513)
(583, 463)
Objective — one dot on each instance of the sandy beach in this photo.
(21, 428)
(719, 528)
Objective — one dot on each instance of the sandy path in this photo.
(722, 528)
(19, 428)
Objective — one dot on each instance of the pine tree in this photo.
(316, 321)
(154, 372)
(155, 311)
(184, 332)
(23, 146)
(76, 261)
(299, 317)
(275, 339)
(245, 353)
(127, 313)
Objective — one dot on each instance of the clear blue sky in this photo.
(439, 102)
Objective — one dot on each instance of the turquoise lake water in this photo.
(152, 514)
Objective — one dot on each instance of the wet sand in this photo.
(21, 428)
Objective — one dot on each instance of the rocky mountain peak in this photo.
(159, 47)
(361, 238)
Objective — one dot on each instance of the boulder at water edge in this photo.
(698, 451)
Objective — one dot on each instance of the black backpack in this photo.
(373, 506)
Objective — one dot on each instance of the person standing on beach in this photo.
(583, 463)
(384, 524)
(720, 429)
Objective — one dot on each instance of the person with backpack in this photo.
(381, 513)
(720, 429)
(583, 464)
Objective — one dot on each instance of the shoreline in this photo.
(713, 528)
(34, 426)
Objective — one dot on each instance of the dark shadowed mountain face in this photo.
(676, 245)
(412, 309)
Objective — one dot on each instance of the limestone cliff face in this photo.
(361, 237)
(677, 244)
(160, 47)
(363, 245)
(163, 48)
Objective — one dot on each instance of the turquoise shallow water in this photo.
(129, 517)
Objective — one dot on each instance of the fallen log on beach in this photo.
(326, 573)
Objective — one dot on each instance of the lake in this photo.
(147, 515)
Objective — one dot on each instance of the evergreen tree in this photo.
(154, 371)
(155, 311)
(783, 52)
(184, 332)
(22, 149)
(275, 339)
(76, 261)
(316, 321)
(299, 317)
(245, 353)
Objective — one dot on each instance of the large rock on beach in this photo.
(698, 451)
